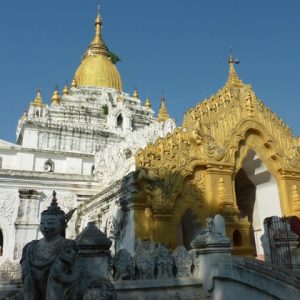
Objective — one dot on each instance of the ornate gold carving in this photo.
(159, 192)
(216, 136)
(226, 205)
(194, 188)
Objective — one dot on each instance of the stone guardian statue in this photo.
(51, 268)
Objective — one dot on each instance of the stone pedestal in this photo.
(209, 246)
(94, 250)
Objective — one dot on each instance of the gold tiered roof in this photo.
(96, 68)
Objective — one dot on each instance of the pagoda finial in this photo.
(55, 99)
(233, 78)
(74, 83)
(38, 101)
(66, 89)
(163, 114)
(136, 93)
(148, 103)
(98, 9)
(97, 45)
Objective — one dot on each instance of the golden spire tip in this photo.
(231, 61)
(233, 78)
(163, 114)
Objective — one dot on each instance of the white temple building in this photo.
(75, 145)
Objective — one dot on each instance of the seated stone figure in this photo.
(51, 268)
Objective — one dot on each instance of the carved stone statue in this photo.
(183, 262)
(213, 235)
(123, 265)
(51, 268)
(164, 262)
(144, 260)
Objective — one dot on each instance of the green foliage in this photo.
(105, 109)
(114, 57)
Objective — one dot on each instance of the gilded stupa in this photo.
(97, 68)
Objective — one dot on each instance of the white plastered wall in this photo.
(267, 201)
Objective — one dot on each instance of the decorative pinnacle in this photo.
(38, 101)
(136, 94)
(74, 83)
(233, 78)
(163, 114)
(54, 200)
(97, 46)
(66, 89)
(55, 97)
(148, 103)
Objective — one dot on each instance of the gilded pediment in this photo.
(213, 130)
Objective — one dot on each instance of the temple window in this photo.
(120, 121)
(92, 169)
(0, 162)
(49, 165)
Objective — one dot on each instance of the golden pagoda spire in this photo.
(148, 103)
(38, 101)
(97, 68)
(55, 97)
(163, 113)
(24, 115)
(74, 83)
(233, 78)
(136, 94)
(66, 89)
(97, 45)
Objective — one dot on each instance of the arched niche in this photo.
(237, 238)
(257, 196)
(49, 165)
(187, 229)
(1, 243)
(120, 121)
(92, 169)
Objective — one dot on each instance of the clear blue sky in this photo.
(178, 46)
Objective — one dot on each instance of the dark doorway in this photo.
(188, 229)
